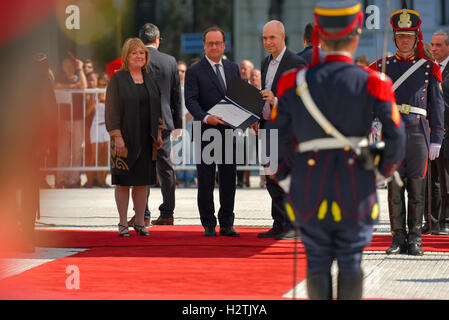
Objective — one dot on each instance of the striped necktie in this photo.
(220, 78)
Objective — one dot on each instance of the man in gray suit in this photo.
(164, 70)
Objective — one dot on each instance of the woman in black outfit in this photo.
(133, 120)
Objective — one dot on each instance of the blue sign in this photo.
(193, 43)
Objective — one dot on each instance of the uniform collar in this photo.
(338, 56)
(409, 59)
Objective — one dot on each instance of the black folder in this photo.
(246, 97)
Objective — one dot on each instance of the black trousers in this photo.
(167, 178)
(226, 183)
(413, 172)
(439, 191)
(278, 212)
(435, 189)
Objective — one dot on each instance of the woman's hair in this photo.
(131, 45)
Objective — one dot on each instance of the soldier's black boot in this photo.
(350, 286)
(399, 244)
(319, 286)
(416, 190)
(396, 209)
(415, 245)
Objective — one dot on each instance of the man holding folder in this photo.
(280, 60)
(205, 87)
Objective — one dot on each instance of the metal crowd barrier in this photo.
(72, 110)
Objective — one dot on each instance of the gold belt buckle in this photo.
(405, 108)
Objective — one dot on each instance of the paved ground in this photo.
(386, 277)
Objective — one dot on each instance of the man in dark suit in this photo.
(440, 167)
(164, 70)
(306, 54)
(205, 86)
(279, 61)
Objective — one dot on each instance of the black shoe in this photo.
(399, 243)
(397, 249)
(414, 245)
(287, 235)
(414, 249)
(444, 229)
(141, 230)
(229, 232)
(210, 232)
(269, 234)
(123, 231)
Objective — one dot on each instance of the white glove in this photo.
(285, 184)
(434, 151)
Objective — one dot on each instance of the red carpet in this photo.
(175, 263)
(193, 236)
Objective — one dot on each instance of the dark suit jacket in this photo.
(202, 90)
(164, 70)
(122, 112)
(307, 54)
(445, 86)
(289, 61)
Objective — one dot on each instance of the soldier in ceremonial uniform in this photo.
(417, 84)
(331, 189)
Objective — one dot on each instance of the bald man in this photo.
(279, 61)
(246, 66)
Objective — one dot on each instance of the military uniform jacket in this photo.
(422, 89)
(330, 185)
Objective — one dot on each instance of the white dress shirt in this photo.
(443, 63)
(271, 73)
(220, 63)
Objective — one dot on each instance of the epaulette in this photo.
(382, 89)
(377, 65)
(287, 81)
(379, 87)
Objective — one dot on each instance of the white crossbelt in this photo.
(408, 73)
(406, 109)
(331, 143)
(302, 90)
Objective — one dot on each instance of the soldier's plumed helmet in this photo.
(405, 21)
(336, 20)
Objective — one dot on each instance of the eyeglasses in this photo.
(216, 43)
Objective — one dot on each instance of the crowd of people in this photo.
(151, 98)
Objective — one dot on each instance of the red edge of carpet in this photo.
(193, 235)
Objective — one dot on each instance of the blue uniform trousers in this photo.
(324, 243)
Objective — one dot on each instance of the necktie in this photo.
(220, 78)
